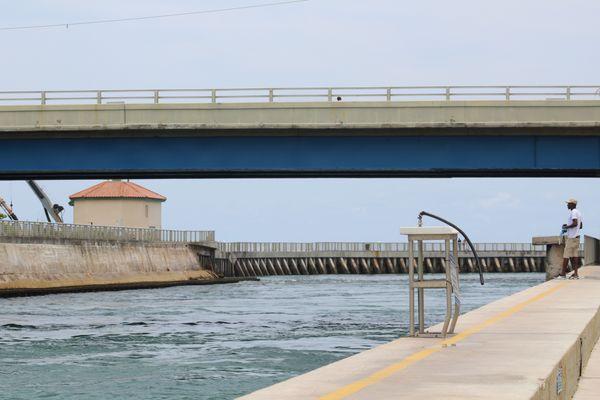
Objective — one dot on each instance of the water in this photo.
(206, 342)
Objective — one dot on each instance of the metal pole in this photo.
(448, 288)
(411, 289)
(421, 290)
(456, 303)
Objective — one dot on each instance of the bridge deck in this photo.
(304, 139)
(530, 345)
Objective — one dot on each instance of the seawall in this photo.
(46, 266)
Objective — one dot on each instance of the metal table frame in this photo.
(419, 283)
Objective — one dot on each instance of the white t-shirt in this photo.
(574, 214)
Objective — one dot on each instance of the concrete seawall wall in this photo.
(32, 266)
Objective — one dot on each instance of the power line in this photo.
(147, 17)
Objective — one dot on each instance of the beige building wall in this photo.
(132, 213)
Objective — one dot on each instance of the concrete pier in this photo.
(555, 248)
(532, 345)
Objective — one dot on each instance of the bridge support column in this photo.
(403, 267)
(375, 266)
(343, 266)
(354, 267)
(303, 268)
(554, 254)
(294, 267)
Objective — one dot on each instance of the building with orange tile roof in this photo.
(118, 203)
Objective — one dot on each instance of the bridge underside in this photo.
(175, 154)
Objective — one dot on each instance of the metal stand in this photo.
(449, 237)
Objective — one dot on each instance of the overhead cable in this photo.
(147, 17)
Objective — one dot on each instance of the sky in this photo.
(318, 42)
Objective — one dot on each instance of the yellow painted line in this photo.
(413, 358)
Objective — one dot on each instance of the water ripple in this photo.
(206, 342)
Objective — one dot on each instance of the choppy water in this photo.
(206, 342)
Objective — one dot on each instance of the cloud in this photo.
(500, 199)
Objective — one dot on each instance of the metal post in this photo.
(156, 97)
(213, 95)
(448, 93)
(329, 94)
(448, 288)
(270, 95)
(456, 303)
(568, 92)
(98, 97)
(389, 94)
(507, 93)
(421, 291)
(411, 289)
(43, 98)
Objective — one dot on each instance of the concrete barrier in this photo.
(43, 267)
(591, 250)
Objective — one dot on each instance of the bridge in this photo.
(438, 131)
(249, 259)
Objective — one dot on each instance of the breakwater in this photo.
(48, 258)
(36, 268)
(264, 259)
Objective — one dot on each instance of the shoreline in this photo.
(28, 292)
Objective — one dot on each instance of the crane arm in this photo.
(52, 210)
(8, 209)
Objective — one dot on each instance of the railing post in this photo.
(507, 93)
(99, 97)
(43, 98)
(448, 93)
(156, 97)
(270, 95)
(213, 95)
(389, 94)
(330, 94)
(568, 92)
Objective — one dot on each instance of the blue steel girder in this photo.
(327, 155)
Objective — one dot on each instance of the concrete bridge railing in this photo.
(307, 247)
(303, 94)
(42, 230)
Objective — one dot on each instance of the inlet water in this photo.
(208, 342)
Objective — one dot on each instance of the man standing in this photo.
(572, 227)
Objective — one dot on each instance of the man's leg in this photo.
(575, 263)
(564, 267)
